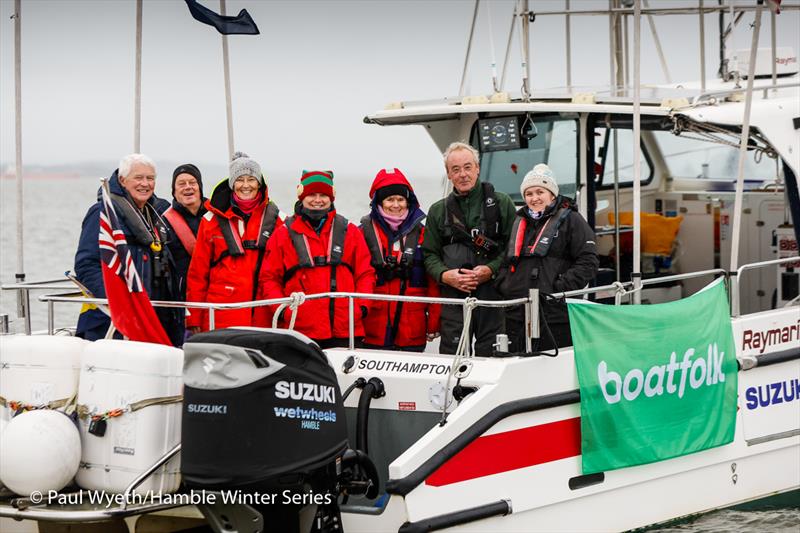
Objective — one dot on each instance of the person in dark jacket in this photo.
(394, 232)
(465, 236)
(231, 246)
(184, 217)
(551, 248)
(139, 212)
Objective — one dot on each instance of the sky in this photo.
(301, 88)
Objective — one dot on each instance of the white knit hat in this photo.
(242, 165)
(540, 176)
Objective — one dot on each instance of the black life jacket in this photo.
(303, 251)
(333, 259)
(236, 246)
(486, 234)
(544, 238)
(383, 260)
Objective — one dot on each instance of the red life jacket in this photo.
(182, 229)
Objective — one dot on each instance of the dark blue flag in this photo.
(241, 24)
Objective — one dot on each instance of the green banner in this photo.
(656, 381)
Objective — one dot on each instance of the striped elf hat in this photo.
(313, 181)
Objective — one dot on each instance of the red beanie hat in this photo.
(316, 181)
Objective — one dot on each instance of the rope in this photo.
(298, 298)
(84, 411)
(463, 344)
(16, 405)
(711, 133)
(620, 291)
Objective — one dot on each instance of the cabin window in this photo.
(551, 140)
(614, 153)
(688, 157)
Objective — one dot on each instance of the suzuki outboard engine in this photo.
(263, 423)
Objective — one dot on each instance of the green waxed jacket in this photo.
(471, 205)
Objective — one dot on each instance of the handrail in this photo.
(711, 95)
(147, 473)
(735, 302)
(619, 288)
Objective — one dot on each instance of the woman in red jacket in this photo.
(394, 231)
(231, 246)
(318, 251)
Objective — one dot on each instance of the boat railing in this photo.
(712, 97)
(620, 291)
(735, 298)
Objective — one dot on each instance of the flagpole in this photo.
(137, 99)
(227, 71)
(22, 300)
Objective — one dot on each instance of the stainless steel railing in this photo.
(619, 289)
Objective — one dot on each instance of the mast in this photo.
(469, 48)
(508, 48)
(702, 49)
(22, 307)
(636, 275)
(227, 73)
(137, 98)
(737, 206)
(568, 38)
(525, 43)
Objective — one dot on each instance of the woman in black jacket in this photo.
(551, 248)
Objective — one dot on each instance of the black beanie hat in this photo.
(187, 168)
(390, 190)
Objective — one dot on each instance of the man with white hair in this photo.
(132, 188)
(465, 236)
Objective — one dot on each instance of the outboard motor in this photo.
(264, 425)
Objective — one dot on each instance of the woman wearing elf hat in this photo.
(231, 245)
(551, 248)
(394, 231)
(317, 251)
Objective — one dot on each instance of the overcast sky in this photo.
(302, 87)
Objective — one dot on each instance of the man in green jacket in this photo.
(465, 236)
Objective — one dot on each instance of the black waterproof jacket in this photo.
(570, 262)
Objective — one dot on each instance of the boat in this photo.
(495, 444)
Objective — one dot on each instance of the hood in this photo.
(384, 179)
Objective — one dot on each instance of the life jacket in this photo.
(333, 259)
(544, 238)
(384, 261)
(235, 245)
(483, 239)
(182, 229)
(135, 220)
(303, 251)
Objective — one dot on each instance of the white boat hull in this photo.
(530, 459)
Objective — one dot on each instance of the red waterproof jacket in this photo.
(220, 276)
(416, 319)
(280, 276)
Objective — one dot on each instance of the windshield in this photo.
(551, 140)
(688, 157)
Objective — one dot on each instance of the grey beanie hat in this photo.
(242, 165)
(540, 176)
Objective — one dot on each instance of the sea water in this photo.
(54, 209)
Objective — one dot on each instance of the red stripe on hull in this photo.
(511, 450)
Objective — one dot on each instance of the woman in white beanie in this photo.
(231, 245)
(551, 248)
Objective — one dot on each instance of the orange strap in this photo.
(182, 229)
